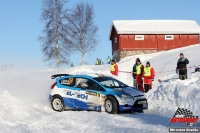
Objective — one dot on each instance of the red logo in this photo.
(184, 116)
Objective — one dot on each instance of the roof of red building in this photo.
(155, 27)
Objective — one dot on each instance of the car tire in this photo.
(57, 104)
(111, 105)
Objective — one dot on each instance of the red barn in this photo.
(131, 37)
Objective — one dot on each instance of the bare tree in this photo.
(54, 38)
(82, 32)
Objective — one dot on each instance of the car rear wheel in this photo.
(57, 104)
(111, 105)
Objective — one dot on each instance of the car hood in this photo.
(131, 91)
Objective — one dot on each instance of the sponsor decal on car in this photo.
(66, 81)
(71, 80)
(93, 93)
(78, 95)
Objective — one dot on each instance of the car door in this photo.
(94, 92)
(67, 85)
(88, 94)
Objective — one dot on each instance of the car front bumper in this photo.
(139, 104)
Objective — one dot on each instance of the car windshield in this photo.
(110, 82)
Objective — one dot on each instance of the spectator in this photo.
(114, 68)
(139, 71)
(108, 60)
(148, 75)
(134, 73)
(181, 68)
(97, 62)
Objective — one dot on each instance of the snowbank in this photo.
(177, 94)
(25, 105)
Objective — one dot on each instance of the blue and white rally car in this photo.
(100, 93)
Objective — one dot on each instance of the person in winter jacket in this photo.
(181, 68)
(100, 62)
(114, 68)
(148, 75)
(108, 60)
(134, 73)
(97, 62)
(139, 71)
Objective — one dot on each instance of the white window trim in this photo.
(115, 39)
(139, 37)
(171, 37)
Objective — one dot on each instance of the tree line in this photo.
(67, 31)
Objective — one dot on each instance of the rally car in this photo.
(99, 93)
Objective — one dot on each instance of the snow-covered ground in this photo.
(25, 106)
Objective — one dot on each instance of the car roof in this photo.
(84, 75)
(90, 76)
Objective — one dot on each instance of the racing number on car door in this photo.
(88, 94)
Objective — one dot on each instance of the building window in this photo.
(139, 37)
(169, 37)
(115, 39)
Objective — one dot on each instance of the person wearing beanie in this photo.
(114, 68)
(134, 73)
(139, 71)
(148, 75)
(181, 68)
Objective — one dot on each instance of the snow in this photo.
(155, 27)
(25, 106)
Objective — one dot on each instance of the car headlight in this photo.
(126, 96)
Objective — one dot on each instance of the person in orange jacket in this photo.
(114, 68)
(148, 75)
(139, 71)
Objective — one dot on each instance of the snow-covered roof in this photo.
(155, 27)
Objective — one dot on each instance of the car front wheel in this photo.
(57, 103)
(111, 105)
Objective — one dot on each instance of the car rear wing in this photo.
(59, 75)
